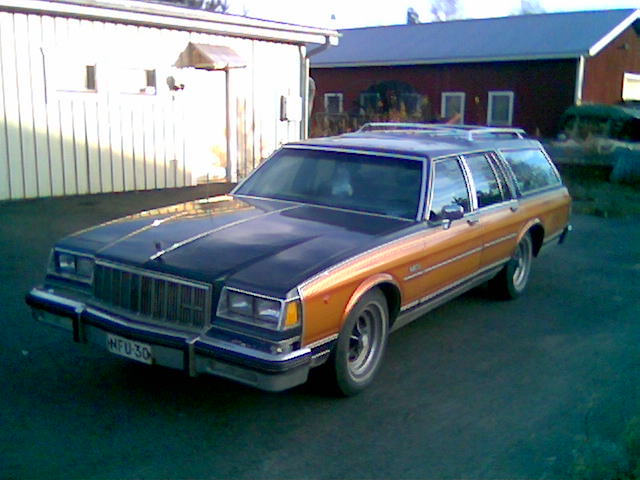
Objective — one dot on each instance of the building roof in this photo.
(521, 37)
(168, 16)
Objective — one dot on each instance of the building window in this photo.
(90, 78)
(452, 108)
(333, 102)
(500, 112)
(151, 79)
(137, 81)
(631, 87)
(78, 78)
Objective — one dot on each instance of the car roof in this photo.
(422, 140)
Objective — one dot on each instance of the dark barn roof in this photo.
(522, 37)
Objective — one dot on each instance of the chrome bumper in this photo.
(193, 353)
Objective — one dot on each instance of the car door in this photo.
(496, 209)
(451, 248)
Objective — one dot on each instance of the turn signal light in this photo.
(292, 314)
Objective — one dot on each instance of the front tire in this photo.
(361, 344)
(513, 278)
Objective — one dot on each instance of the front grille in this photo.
(164, 300)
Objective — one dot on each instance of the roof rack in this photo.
(470, 132)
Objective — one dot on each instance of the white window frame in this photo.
(631, 86)
(337, 95)
(443, 104)
(500, 93)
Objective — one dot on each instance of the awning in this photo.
(209, 57)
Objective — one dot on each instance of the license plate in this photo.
(130, 349)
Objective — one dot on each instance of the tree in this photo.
(412, 16)
(220, 6)
(528, 7)
(443, 10)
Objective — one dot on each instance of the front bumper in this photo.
(193, 353)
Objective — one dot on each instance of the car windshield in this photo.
(367, 183)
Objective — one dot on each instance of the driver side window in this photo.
(449, 188)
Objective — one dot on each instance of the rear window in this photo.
(532, 169)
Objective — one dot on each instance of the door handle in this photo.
(514, 208)
(473, 220)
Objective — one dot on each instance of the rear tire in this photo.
(358, 353)
(514, 276)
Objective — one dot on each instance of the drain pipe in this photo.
(307, 100)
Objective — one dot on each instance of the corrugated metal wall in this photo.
(56, 140)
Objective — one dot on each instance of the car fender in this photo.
(528, 226)
(537, 239)
(364, 287)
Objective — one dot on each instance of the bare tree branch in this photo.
(220, 6)
(528, 7)
(443, 10)
(412, 16)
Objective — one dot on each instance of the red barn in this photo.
(520, 70)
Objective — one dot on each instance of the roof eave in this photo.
(608, 38)
(167, 16)
(441, 61)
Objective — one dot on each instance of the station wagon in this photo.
(312, 261)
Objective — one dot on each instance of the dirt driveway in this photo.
(477, 389)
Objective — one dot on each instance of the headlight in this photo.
(259, 310)
(66, 263)
(73, 265)
(84, 267)
(268, 310)
(240, 304)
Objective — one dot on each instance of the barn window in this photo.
(333, 102)
(500, 112)
(452, 106)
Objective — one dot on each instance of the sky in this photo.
(361, 13)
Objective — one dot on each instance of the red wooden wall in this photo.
(542, 89)
(604, 72)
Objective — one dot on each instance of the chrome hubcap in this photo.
(364, 340)
(522, 260)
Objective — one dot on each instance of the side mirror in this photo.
(452, 212)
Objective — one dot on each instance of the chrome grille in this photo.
(165, 300)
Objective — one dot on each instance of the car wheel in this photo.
(513, 278)
(361, 344)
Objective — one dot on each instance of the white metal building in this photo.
(108, 96)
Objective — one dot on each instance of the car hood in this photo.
(254, 244)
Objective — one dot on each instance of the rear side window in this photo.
(488, 191)
(532, 169)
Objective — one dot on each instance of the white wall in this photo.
(57, 141)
